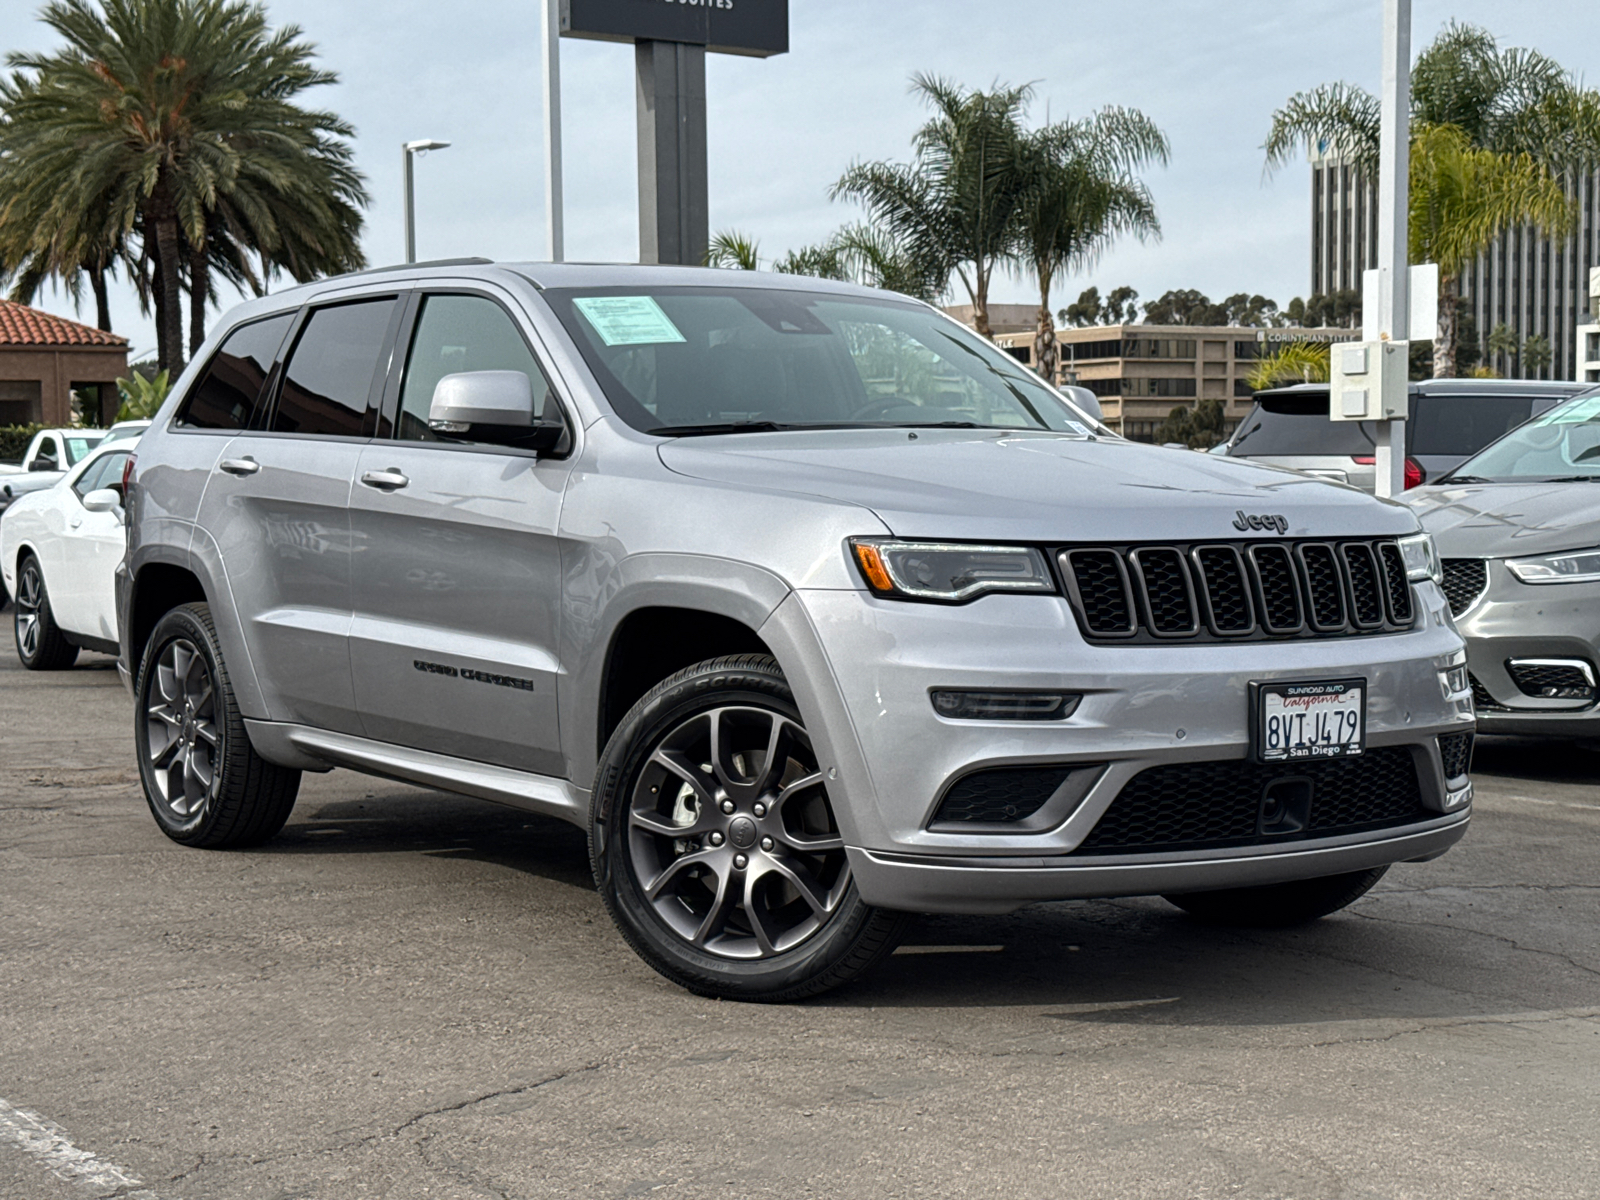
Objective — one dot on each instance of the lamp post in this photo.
(553, 211)
(410, 149)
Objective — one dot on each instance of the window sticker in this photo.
(628, 320)
(1079, 428)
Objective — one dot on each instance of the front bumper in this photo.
(1514, 620)
(977, 885)
(1142, 706)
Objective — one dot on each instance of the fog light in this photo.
(1455, 683)
(1005, 706)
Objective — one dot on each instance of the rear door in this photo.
(277, 506)
(83, 592)
(457, 567)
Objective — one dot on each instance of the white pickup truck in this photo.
(50, 455)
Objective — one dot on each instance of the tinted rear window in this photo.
(1463, 424)
(1299, 425)
(331, 370)
(227, 396)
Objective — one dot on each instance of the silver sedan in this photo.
(1518, 528)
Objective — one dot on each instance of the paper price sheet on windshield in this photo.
(628, 320)
(1312, 719)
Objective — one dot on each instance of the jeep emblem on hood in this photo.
(1267, 521)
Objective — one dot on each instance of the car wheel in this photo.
(715, 846)
(40, 643)
(204, 782)
(1278, 905)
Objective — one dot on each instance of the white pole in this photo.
(552, 130)
(1391, 321)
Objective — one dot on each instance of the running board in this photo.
(319, 749)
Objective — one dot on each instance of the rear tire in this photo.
(714, 845)
(204, 782)
(1279, 905)
(40, 643)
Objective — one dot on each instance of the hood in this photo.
(1032, 486)
(1508, 520)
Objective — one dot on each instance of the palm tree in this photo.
(1463, 198)
(955, 206)
(875, 257)
(1291, 362)
(733, 250)
(1507, 102)
(1501, 342)
(178, 118)
(1536, 353)
(1080, 192)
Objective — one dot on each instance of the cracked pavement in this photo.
(413, 995)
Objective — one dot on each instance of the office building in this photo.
(1535, 285)
(1588, 339)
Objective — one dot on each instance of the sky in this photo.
(781, 130)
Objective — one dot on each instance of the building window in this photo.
(1139, 431)
(1129, 348)
(1241, 387)
(1158, 387)
(1251, 350)
(1102, 387)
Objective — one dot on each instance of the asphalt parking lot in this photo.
(411, 995)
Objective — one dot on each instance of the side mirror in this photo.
(42, 464)
(491, 406)
(103, 500)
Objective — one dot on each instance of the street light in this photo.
(411, 148)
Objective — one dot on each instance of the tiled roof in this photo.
(24, 326)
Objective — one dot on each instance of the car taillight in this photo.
(127, 473)
(1414, 472)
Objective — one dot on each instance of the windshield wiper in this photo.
(1572, 479)
(1462, 479)
(725, 427)
(939, 425)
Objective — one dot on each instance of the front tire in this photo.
(1279, 905)
(204, 782)
(715, 847)
(40, 643)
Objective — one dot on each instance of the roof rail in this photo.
(436, 262)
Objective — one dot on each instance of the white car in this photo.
(59, 550)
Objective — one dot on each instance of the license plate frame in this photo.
(1307, 692)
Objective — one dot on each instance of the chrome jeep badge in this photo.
(1266, 521)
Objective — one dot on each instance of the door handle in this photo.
(385, 481)
(76, 521)
(239, 466)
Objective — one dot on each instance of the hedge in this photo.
(14, 441)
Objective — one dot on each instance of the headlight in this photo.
(1421, 558)
(1575, 566)
(948, 571)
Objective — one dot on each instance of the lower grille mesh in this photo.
(1191, 806)
(1456, 751)
(1001, 795)
(1464, 581)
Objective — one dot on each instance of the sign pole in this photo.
(674, 211)
(1391, 321)
(553, 200)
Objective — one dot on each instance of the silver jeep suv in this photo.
(812, 607)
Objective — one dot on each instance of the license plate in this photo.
(1325, 718)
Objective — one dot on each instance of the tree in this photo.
(177, 119)
(1501, 343)
(1199, 428)
(1081, 191)
(1514, 106)
(1536, 353)
(875, 257)
(734, 250)
(955, 205)
(1120, 307)
(1291, 362)
(1462, 198)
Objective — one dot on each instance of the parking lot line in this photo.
(49, 1145)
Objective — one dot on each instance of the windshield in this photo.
(684, 360)
(1563, 443)
(78, 446)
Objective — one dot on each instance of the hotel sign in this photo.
(758, 28)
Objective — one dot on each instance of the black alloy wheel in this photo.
(716, 847)
(40, 643)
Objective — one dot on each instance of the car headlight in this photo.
(1575, 566)
(948, 571)
(1421, 558)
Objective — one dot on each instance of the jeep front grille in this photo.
(1228, 591)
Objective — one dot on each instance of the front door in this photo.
(456, 564)
(83, 592)
(277, 504)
